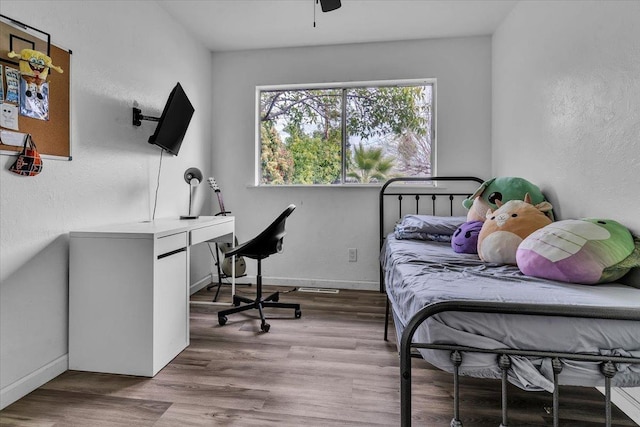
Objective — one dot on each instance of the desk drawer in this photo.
(171, 243)
(204, 234)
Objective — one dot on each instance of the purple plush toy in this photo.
(465, 238)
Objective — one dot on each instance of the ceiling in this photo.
(225, 25)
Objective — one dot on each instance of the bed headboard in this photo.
(441, 195)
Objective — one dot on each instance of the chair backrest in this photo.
(269, 241)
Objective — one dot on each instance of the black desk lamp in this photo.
(193, 177)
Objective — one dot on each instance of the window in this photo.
(343, 134)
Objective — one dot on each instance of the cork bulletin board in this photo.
(49, 122)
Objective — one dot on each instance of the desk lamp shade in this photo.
(193, 177)
(193, 173)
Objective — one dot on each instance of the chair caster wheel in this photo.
(276, 298)
(222, 320)
(236, 301)
(298, 314)
(265, 327)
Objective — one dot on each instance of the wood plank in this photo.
(328, 368)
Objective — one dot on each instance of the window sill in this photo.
(305, 186)
(377, 186)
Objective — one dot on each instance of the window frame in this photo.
(341, 85)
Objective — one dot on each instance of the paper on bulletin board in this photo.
(9, 116)
(13, 85)
(12, 138)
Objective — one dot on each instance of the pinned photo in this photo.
(34, 104)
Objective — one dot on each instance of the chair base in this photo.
(258, 303)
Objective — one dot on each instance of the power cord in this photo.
(155, 201)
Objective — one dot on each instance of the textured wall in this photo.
(122, 52)
(566, 104)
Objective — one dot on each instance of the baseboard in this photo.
(627, 400)
(322, 283)
(27, 384)
(205, 281)
(310, 283)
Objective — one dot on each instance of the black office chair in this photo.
(266, 243)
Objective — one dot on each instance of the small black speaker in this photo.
(329, 5)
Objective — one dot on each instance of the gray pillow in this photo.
(423, 227)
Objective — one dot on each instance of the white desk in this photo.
(129, 292)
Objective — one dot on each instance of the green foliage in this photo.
(317, 160)
(369, 165)
(383, 110)
(308, 106)
(275, 159)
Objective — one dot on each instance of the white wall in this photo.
(122, 51)
(328, 221)
(566, 107)
(566, 104)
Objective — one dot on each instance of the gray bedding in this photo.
(418, 273)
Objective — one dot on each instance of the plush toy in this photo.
(585, 251)
(507, 227)
(478, 210)
(34, 68)
(465, 238)
(502, 189)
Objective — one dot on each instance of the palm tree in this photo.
(370, 165)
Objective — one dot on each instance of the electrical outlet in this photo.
(353, 255)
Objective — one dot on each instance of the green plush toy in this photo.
(588, 251)
(503, 189)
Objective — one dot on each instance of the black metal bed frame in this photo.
(408, 347)
(431, 194)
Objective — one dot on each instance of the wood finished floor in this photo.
(328, 368)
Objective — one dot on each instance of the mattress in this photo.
(418, 273)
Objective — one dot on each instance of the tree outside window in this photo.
(347, 134)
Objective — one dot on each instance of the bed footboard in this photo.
(607, 363)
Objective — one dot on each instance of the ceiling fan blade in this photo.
(329, 5)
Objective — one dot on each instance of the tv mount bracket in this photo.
(138, 117)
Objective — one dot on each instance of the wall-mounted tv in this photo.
(172, 124)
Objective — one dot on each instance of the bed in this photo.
(485, 320)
